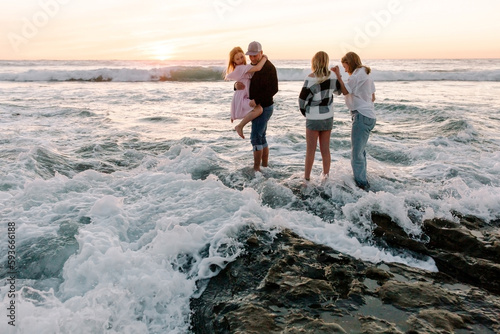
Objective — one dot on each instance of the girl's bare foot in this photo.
(239, 129)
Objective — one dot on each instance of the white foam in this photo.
(134, 72)
(149, 230)
(127, 285)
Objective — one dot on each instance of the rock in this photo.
(437, 321)
(291, 285)
(393, 234)
(476, 271)
(469, 251)
(372, 325)
(450, 237)
(249, 319)
(418, 294)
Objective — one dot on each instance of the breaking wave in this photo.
(215, 73)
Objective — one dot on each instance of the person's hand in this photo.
(239, 85)
(252, 103)
(336, 70)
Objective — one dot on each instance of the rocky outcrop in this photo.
(468, 251)
(286, 284)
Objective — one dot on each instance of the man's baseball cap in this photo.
(254, 48)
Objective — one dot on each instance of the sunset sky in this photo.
(208, 29)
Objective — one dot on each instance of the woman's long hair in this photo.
(353, 60)
(231, 65)
(319, 66)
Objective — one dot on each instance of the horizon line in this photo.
(215, 59)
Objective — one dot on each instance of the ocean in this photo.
(124, 186)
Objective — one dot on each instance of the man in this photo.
(264, 85)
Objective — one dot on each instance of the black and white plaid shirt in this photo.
(316, 99)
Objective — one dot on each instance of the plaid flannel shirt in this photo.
(316, 99)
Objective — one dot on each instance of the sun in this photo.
(162, 51)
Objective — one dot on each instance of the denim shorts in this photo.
(319, 124)
(259, 127)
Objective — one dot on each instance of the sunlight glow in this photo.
(162, 51)
(167, 30)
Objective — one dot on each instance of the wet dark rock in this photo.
(437, 321)
(286, 284)
(468, 251)
(418, 294)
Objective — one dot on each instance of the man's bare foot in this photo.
(239, 129)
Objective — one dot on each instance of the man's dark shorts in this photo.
(259, 127)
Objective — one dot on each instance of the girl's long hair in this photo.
(319, 66)
(353, 60)
(231, 65)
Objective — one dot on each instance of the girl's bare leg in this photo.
(256, 112)
(311, 142)
(324, 147)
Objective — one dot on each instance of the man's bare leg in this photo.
(257, 159)
(265, 156)
(260, 157)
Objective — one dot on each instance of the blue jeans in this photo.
(361, 128)
(259, 127)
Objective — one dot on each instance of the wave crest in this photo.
(215, 73)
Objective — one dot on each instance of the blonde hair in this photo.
(231, 65)
(353, 60)
(319, 66)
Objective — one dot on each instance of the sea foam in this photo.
(127, 197)
(215, 73)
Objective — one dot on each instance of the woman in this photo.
(315, 103)
(359, 91)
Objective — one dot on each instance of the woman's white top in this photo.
(361, 88)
